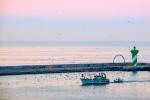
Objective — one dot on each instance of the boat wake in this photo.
(132, 81)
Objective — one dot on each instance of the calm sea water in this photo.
(61, 55)
(67, 86)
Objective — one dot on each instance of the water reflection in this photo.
(134, 73)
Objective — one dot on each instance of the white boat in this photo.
(98, 79)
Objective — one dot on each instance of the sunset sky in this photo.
(74, 20)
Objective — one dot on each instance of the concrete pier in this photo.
(67, 68)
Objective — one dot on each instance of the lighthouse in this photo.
(134, 53)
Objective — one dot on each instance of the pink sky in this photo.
(103, 8)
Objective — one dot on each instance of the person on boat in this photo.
(82, 75)
(99, 74)
(95, 76)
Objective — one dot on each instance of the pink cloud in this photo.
(103, 8)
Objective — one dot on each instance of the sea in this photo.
(45, 55)
(67, 86)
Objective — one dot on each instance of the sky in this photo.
(74, 20)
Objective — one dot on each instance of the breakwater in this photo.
(66, 68)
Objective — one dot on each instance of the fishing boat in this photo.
(98, 79)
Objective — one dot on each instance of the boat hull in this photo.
(94, 81)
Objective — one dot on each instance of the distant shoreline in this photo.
(68, 68)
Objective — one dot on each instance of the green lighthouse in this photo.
(134, 53)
